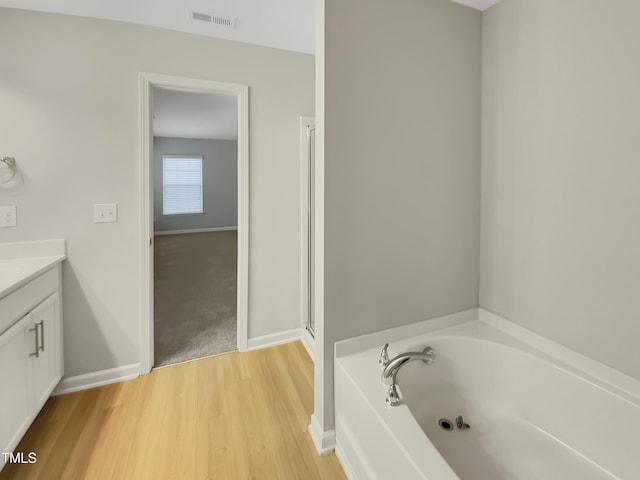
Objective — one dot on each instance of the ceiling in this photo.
(183, 114)
(286, 24)
(477, 4)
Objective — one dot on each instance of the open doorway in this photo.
(195, 203)
(194, 206)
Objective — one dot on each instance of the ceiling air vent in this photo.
(203, 17)
(229, 22)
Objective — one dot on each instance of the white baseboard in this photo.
(97, 379)
(273, 339)
(194, 230)
(324, 442)
(309, 342)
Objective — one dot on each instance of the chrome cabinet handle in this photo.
(37, 352)
(39, 338)
(41, 323)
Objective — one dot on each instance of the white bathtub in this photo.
(536, 410)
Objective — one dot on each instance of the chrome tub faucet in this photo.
(391, 367)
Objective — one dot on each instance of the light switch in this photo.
(105, 213)
(8, 216)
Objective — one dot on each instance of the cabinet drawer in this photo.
(17, 304)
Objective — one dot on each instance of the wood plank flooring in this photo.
(230, 416)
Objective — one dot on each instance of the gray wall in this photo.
(560, 173)
(219, 183)
(402, 166)
(70, 101)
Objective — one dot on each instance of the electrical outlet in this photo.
(105, 213)
(8, 216)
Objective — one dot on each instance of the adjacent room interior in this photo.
(195, 218)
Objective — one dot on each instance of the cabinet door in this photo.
(45, 366)
(15, 412)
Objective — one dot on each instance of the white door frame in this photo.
(304, 124)
(147, 81)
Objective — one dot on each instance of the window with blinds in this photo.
(181, 184)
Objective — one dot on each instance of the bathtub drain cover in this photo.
(445, 424)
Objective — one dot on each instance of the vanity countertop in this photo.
(21, 262)
(16, 272)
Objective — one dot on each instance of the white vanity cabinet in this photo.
(30, 351)
(15, 412)
(45, 360)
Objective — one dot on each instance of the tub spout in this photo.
(391, 369)
(393, 400)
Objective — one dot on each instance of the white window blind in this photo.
(181, 184)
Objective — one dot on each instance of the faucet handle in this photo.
(431, 353)
(384, 356)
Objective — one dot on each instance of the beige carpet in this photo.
(194, 295)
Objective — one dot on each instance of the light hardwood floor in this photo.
(231, 416)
